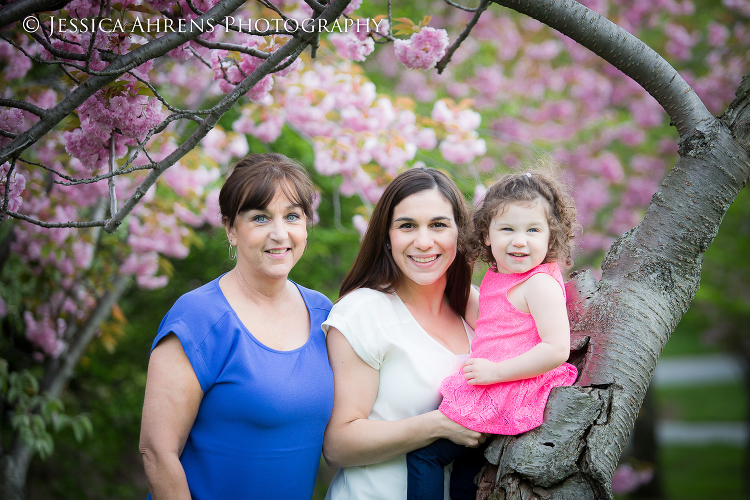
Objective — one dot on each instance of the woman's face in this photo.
(423, 236)
(269, 241)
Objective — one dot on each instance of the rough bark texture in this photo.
(621, 324)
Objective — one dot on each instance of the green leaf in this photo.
(77, 431)
(146, 91)
(45, 446)
(21, 421)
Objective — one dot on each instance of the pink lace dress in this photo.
(503, 332)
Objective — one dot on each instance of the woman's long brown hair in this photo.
(374, 266)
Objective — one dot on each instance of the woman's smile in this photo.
(423, 236)
(424, 260)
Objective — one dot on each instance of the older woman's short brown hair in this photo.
(374, 266)
(254, 181)
(536, 184)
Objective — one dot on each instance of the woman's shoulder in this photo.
(368, 306)
(204, 295)
(313, 298)
(362, 296)
(203, 306)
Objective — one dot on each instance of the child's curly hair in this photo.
(539, 183)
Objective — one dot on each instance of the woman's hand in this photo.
(480, 371)
(173, 395)
(352, 439)
(458, 433)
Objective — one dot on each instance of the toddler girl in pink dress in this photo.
(523, 230)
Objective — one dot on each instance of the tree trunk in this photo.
(621, 324)
(13, 469)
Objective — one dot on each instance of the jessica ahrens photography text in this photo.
(89, 25)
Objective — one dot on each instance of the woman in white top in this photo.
(396, 332)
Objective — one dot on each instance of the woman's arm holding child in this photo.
(546, 303)
(351, 438)
(472, 307)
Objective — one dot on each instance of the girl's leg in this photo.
(425, 468)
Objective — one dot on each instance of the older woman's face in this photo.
(269, 241)
(423, 236)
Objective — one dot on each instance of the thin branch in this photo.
(26, 106)
(11, 135)
(164, 101)
(65, 54)
(6, 195)
(462, 36)
(111, 182)
(92, 41)
(463, 7)
(200, 57)
(48, 225)
(194, 8)
(70, 75)
(233, 47)
(48, 169)
(290, 60)
(58, 62)
(272, 7)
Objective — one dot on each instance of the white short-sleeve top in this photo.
(412, 364)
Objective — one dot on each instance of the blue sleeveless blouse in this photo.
(259, 429)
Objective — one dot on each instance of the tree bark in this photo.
(649, 279)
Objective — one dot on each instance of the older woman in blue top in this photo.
(239, 388)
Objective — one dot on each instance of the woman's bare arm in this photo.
(472, 308)
(173, 395)
(351, 439)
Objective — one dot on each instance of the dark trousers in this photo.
(426, 476)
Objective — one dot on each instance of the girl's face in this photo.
(519, 236)
(423, 236)
(269, 241)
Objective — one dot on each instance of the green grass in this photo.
(700, 473)
(726, 402)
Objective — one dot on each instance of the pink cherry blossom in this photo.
(14, 188)
(423, 50)
(350, 46)
(353, 5)
(627, 479)
(45, 333)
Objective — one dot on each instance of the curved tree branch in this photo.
(15, 11)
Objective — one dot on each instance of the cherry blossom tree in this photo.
(129, 112)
